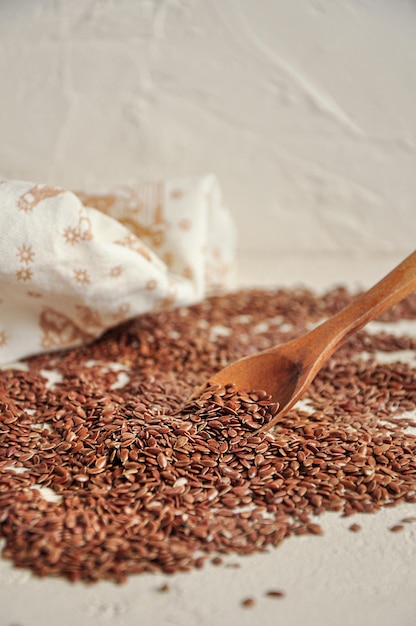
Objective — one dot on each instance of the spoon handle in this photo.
(328, 336)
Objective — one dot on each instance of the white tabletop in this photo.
(341, 578)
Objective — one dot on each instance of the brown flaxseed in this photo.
(355, 528)
(396, 528)
(101, 483)
(273, 593)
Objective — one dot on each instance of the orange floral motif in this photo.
(36, 194)
(25, 254)
(81, 232)
(24, 274)
(116, 271)
(187, 273)
(71, 235)
(169, 300)
(185, 224)
(101, 202)
(138, 208)
(3, 338)
(131, 242)
(58, 330)
(89, 317)
(154, 233)
(122, 312)
(168, 258)
(81, 276)
(124, 308)
(151, 284)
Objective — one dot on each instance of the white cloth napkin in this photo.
(74, 264)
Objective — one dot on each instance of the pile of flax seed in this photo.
(106, 470)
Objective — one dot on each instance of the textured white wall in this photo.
(305, 109)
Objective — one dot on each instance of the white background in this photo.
(306, 111)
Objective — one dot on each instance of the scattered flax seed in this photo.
(396, 528)
(355, 528)
(217, 560)
(248, 602)
(164, 588)
(315, 529)
(409, 520)
(275, 594)
(142, 482)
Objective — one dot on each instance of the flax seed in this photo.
(355, 528)
(145, 482)
(275, 594)
(396, 528)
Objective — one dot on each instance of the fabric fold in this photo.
(73, 264)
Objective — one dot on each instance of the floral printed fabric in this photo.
(73, 264)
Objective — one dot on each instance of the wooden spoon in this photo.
(287, 370)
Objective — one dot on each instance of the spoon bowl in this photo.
(279, 375)
(286, 371)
